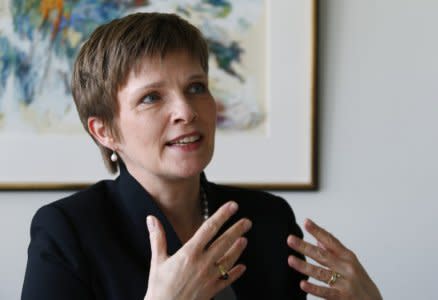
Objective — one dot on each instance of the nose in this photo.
(183, 110)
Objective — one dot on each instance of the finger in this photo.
(320, 291)
(222, 244)
(212, 225)
(233, 254)
(346, 257)
(320, 255)
(319, 244)
(157, 239)
(304, 267)
(327, 240)
(234, 274)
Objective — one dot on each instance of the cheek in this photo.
(210, 112)
(214, 112)
(138, 133)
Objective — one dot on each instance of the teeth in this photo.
(187, 140)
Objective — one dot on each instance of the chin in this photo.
(190, 169)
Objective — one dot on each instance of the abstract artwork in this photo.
(262, 76)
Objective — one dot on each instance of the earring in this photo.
(114, 157)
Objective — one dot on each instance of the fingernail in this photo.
(151, 223)
(248, 224)
(291, 240)
(233, 207)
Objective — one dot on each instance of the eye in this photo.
(150, 98)
(197, 88)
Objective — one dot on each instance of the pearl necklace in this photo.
(204, 204)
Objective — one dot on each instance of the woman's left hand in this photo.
(340, 269)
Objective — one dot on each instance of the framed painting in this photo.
(262, 75)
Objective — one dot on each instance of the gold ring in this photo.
(335, 276)
(223, 272)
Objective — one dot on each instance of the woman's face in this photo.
(167, 119)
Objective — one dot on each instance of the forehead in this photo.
(166, 64)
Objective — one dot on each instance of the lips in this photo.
(185, 139)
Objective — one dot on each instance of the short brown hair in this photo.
(114, 50)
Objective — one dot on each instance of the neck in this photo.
(179, 200)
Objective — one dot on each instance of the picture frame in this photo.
(280, 153)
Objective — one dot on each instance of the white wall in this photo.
(379, 143)
(379, 139)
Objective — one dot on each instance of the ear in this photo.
(100, 132)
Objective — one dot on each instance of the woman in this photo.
(140, 85)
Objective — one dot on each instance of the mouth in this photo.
(186, 139)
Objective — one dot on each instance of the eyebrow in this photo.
(160, 83)
(198, 76)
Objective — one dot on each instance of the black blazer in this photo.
(94, 244)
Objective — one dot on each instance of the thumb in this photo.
(157, 239)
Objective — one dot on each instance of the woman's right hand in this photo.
(192, 273)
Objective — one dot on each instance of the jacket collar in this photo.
(136, 204)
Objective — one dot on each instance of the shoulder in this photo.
(61, 222)
(86, 198)
(62, 215)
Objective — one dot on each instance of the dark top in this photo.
(94, 244)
